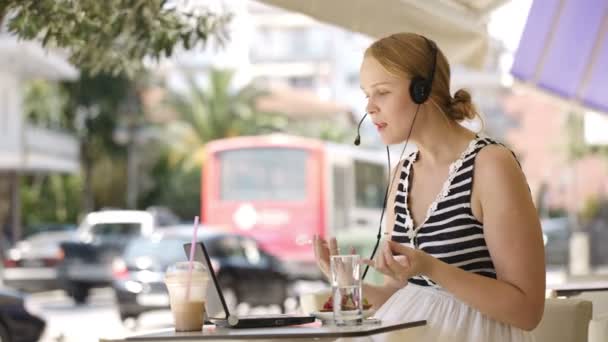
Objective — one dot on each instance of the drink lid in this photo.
(182, 268)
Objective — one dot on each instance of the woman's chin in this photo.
(388, 140)
(393, 139)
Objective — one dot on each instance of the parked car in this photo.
(102, 236)
(31, 264)
(49, 227)
(16, 323)
(556, 236)
(245, 272)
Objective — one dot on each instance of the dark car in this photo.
(16, 323)
(556, 236)
(101, 237)
(31, 264)
(245, 272)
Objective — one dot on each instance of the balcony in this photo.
(25, 147)
(44, 149)
(40, 150)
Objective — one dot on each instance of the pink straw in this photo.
(190, 264)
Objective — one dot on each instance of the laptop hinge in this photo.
(233, 320)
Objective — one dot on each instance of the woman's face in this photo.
(388, 101)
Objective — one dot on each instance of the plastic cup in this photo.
(188, 307)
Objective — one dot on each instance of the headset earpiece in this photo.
(420, 89)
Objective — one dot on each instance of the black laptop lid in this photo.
(215, 304)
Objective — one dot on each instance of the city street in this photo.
(87, 323)
(67, 322)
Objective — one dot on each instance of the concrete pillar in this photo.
(5, 203)
(580, 254)
(17, 231)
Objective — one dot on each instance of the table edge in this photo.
(331, 334)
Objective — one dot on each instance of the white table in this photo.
(404, 331)
(574, 288)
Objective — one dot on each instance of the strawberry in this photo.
(347, 303)
(328, 305)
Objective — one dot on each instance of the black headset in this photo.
(420, 87)
(420, 90)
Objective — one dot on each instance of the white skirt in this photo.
(448, 319)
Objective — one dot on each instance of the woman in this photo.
(465, 250)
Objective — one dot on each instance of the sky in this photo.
(507, 22)
(507, 25)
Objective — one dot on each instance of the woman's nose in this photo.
(371, 108)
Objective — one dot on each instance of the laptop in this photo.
(217, 311)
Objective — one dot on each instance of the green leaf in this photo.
(112, 35)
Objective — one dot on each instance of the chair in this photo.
(598, 329)
(599, 300)
(564, 320)
(598, 326)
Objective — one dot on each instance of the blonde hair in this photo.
(408, 55)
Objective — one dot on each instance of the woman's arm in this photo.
(514, 238)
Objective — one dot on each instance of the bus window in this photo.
(370, 182)
(264, 174)
(340, 216)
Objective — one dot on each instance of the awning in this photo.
(458, 26)
(563, 51)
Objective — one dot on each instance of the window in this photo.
(352, 78)
(264, 174)
(340, 205)
(164, 252)
(114, 229)
(252, 252)
(306, 82)
(370, 183)
(230, 247)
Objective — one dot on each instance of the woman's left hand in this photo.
(406, 264)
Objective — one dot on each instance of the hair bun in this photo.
(462, 96)
(461, 106)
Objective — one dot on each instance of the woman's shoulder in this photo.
(493, 149)
(495, 158)
(483, 140)
(499, 176)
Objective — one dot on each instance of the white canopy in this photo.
(458, 26)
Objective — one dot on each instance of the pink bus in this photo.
(282, 189)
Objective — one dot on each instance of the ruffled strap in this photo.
(445, 191)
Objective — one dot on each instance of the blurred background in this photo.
(118, 126)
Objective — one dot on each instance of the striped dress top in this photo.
(449, 232)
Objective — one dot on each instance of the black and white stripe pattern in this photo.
(450, 232)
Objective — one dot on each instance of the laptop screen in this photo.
(215, 303)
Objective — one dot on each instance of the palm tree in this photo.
(214, 112)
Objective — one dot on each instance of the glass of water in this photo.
(346, 287)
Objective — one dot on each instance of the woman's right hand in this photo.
(323, 251)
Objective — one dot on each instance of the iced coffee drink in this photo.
(187, 293)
